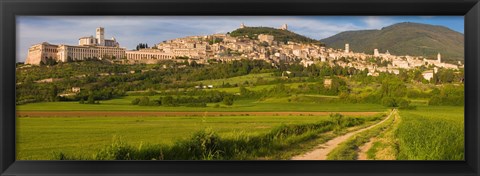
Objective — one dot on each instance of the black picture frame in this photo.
(9, 9)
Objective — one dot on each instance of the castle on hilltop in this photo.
(283, 27)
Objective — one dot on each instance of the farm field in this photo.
(268, 105)
(239, 79)
(431, 133)
(86, 135)
(428, 133)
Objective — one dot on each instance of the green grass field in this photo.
(239, 79)
(431, 133)
(267, 105)
(38, 137)
(256, 88)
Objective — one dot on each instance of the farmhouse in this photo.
(428, 75)
(327, 83)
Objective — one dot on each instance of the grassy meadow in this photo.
(87, 135)
(267, 105)
(431, 133)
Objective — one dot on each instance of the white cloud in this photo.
(376, 22)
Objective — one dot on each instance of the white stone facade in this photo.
(88, 47)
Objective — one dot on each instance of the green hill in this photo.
(279, 35)
(407, 38)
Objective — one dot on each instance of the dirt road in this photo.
(156, 113)
(321, 151)
(362, 153)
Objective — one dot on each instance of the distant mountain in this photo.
(278, 34)
(407, 38)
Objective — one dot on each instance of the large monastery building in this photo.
(88, 47)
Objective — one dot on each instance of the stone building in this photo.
(40, 52)
(88, 47)
(265, 38)
(99, 39)
(376, 53)
(147, 55)
(428, 75)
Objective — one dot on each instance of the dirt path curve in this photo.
(322, 150)
(362, 150)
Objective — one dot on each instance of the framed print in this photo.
(239, 88)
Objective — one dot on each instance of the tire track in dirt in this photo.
(362, 150)
(362, 153)
(321, 151)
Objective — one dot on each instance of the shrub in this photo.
(144, 101)
(197, 104)
(136, 101)
(389, 102)
(228, 100)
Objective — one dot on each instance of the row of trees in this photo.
(141, 46)
(190, 101)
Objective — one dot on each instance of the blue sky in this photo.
(131, 30)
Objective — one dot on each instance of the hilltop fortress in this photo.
(223, 47)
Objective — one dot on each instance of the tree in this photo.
(168, 101)
(141, 46)
(389, 102)
(50, 61)
(53, 93)
(228, 100)
(91, 99)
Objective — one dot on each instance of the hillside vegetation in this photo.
(412, 39)
(279, 35)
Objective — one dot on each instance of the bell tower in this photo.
(100, 36)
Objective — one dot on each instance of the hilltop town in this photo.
(224, 47)
(253, 93)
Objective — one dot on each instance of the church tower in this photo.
(242, 26)
(439, 58)
(100, 35)
(347, 48)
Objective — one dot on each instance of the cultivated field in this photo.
(268, 105)
(431, 133)
(86, 135)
